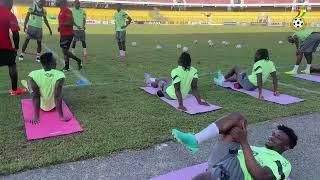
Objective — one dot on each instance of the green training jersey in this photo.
(263, 66)
(302, 35)
(79, 15)
(46, 81)
(120, 19)
(185, 78)
(279, 166)
(36, 16)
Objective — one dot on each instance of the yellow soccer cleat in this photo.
(291, 73)
(305, 72)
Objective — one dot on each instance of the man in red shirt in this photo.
(8, 50)
(66, 23)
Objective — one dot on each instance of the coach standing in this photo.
(8, 50)
(121, 24)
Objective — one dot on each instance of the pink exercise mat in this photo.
(189, 102)
(50, 125)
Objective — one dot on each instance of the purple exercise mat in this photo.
(183, 174)
(189, 102)
(268, 95)
(186, 173)
(308, 77)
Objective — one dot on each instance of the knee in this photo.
(239, 118)
(154, 85)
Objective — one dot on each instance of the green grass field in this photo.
(116, 115)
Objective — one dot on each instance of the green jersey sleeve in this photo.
(175, 76)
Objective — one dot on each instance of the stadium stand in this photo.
(266, 1)
(208, 1)
(185, 17)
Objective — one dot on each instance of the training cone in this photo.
(82, 82)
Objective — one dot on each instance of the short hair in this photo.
(291, 134)
(264, 54)
(46, 58)
(185, 60)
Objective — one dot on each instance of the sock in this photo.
(72, 50)
(123, 53)
(120, 52)
(295, 68)
(308, 67)
(22, 54)
(38, 55)
(209, 132)
(85, 51)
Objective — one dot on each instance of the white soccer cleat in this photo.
(20, 58)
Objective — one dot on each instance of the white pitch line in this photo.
(95, 84)
(298, 88)
(76, 73)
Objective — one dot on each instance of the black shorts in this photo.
(65, 42)
(7, 57)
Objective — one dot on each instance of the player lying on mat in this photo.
(306, 42)
(45, 87)
(183, 79)
(314, 70)
(263, 67)
(228, 162)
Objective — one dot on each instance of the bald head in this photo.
(62, 3)
(7, 3)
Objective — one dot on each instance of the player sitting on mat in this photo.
(306, 42)
(183, 79)
(314, 70)
(228, 162)
(45, 87)
(262, 69)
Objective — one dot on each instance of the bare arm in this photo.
(255, 170)
(35, 93)
(275, 83)
(26, 22)
(58, 96)
(84, 23)
(129, 21)
(195, 92)
(47, 24)
(179, 96)
(259, 79)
